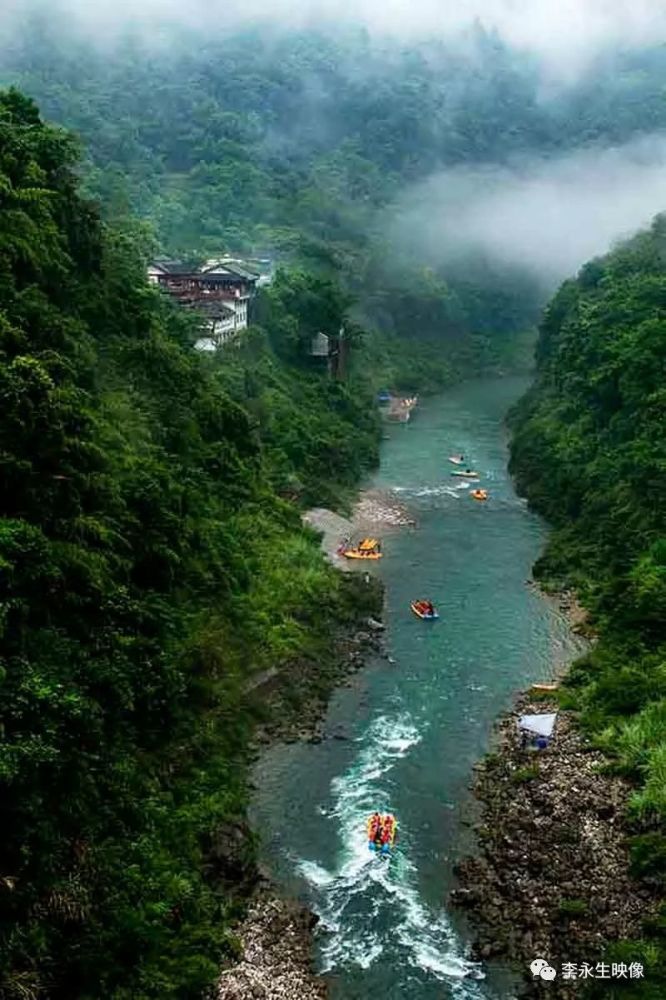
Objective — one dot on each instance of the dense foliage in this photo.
(319, 434)
(294, 145)
(148, 569)
(589, 450)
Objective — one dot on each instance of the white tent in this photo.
(540, 725)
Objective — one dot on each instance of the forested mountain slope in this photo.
(589, 451)
(229, 136)
(291, 145)
(148, 569)
(297, 143)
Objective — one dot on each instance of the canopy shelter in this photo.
(538, 725)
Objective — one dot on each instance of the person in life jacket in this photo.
(375, 831)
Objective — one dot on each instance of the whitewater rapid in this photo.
(387, 886)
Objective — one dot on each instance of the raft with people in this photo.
(382, 830)
(367, 548)
(479, 494)
(424, 609)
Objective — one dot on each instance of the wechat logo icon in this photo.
(542, 969)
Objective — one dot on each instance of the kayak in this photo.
(426, 616)
(465, 475)
(456, 459)
(381, 836)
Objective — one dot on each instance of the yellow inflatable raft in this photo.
(368, 548)
(381, 830)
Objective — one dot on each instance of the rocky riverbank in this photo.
(275, 943)
(377, 509)
(296, 702)
(551, 877)
(568, 605)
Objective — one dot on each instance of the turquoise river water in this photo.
(404, 736)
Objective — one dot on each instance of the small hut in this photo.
(320, 346)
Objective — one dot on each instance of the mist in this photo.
(564, 35)
(546, 216)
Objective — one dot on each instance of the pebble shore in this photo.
(275, 938)
(375, 512)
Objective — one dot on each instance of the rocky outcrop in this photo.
(316, 682)
(274, 963)
(230, 861)
(551, 879)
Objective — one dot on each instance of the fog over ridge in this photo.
(564, 34)
(548, 216)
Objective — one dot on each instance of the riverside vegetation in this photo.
(589, 451)
(148, 567)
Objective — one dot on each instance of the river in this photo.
(412, 729)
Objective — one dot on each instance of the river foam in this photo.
(443, 490)
(363, 892)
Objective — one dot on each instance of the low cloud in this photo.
(564, 34)
(547, 216)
